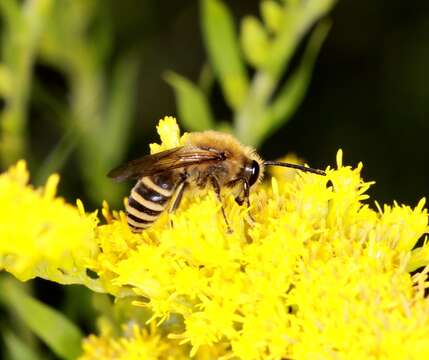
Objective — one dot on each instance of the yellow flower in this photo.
(318, 275)
(169, 133)
(136, 344)
(41, 235)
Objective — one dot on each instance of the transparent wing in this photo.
(166, 160)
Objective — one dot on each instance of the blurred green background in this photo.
(84, 82)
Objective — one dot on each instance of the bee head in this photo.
(252, 172)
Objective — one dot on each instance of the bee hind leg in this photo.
(178, 198)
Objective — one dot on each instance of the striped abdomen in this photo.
(148, 199)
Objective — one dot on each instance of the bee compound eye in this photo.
(254, 173)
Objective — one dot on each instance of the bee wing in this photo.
(165, 160)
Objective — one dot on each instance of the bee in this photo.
(207, 158)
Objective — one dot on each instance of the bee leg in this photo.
(238, 198)
(216, 188)
(246, 190)
(178, 198)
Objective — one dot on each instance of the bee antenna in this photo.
(294, 166)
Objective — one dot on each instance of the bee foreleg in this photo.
(246, 190)
(216, 188)
(238, 199)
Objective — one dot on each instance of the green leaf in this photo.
(6, 82)
(16, 348)
(193, 106)
(298, 18)
(272, 14)
(11, 13)
(59, 333)
(120, 111)
(254, 41)
(292, 93)
(222, 44)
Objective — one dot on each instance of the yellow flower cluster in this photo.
(136, 344)
(318, 275)
(41, 235)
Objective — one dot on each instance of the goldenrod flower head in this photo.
(41, 235)
(137, 344)
(169, 134)
(318, 275)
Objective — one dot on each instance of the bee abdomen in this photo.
(147, 201)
